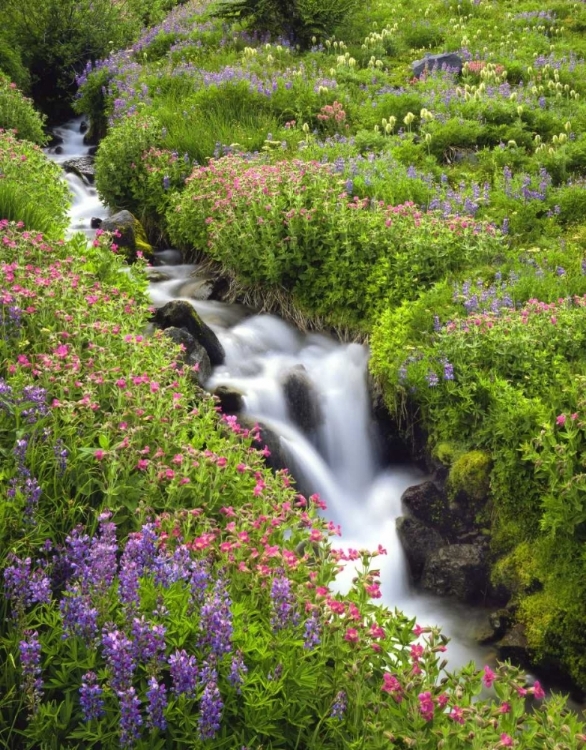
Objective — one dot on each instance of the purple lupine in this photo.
(78, 616)
(149, 641)
(30, 659)
(183, 668)
(119, 655)
(210, 712)
(448, 371)
(77, 551)
(339, 707)
(312, 631)
(101, 559)
(156, 705)
(128, 584)
(283, 604)
(130, 718)
(200, 578)
(432, 379)
(238, 670)
(61, 453)
(172, 568)
(91, 697)
(23, 586)
(35, 398)
(216, 620)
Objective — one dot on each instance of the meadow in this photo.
(164, 589)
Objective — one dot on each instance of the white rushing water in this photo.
(337, 459)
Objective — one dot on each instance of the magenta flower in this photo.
(489, 676)
(506, 740)
(560, 419)
(538, 691)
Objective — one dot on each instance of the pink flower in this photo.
(142, 464)
(506, 740)
(561, 419)
(61, 351)
(457, 715)
(489, 676)
(351, 635)
(426, 705)
(538, 691)
(392, 686)
(504, 708)
(99, 455)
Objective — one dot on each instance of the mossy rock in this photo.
(469, 476)
(132, 237)
(180, 314)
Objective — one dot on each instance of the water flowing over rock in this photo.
(168, 257)
(82, 166)
(231, 399)
(302, 400)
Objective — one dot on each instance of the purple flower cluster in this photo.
(119, 652)
(311, 638)
(156, 705)
(130, 718)
(30, 659)
(184, 673)
(340, 705)
(210, 711)
(91, 697)
(24, 586)
(216, 620)
(283, 604)
(238, 670)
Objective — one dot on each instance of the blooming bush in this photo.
(17, 113)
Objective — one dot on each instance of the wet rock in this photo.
(446, 60)
(459, 570)
(168, 257)
(194, 354)
(180, 314)
(419, 542)
(231, 399)
(429, 504)
(499, 621)
(92, 150)
(198, 289)
(302, 400)
(157, 276)
(388, 443)
(83, 126)
(275, 458)
(513, 646)
(95, 222)
(132, 235)
(82, 166)
(58, 150)
(55, 140)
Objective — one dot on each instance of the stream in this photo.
(339, 460)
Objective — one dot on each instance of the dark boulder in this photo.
(180, 314)
(274, 457)
(445, 61)
(58, 150)
(302, 399)
(428, 503)
(231, 399)
(513, 647)
(95, 222)
(194, 354)
(168, 257)
(419, 542)
(92, 151)
(132, 237)
(83, 126)
(155, 276)
(82, 166)
(459, 570)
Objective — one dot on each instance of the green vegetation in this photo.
(161, 588)
(440, 216)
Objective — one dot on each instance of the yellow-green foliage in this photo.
(470, 473)
(445, 453)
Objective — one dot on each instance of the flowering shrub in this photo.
(32, 189)
(292, 222)
(17, 113)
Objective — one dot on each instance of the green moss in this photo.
(445, 453)
(470, 473)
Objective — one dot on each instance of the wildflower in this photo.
(489, 676)
(30, 659)
(426, 705)
(237, 671)
(90, 697)
(538, 691)
(312, 631)
(119, 654)
(183, 673)
(506, 740)
(211, 707)
(432, 379)
(392, 686)
(351, 635)
(130, 718)
(339, 707)
(216, 620)
(457, 715)
(561, 419)
(157, 703)
(283, 604)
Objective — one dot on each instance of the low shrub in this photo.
(17, 113)
(32, 188)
